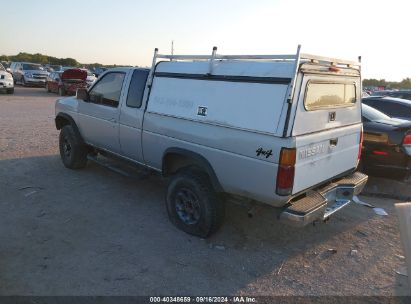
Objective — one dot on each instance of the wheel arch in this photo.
(175, 159)
(63, 119)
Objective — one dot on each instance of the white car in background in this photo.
(91, 78)
(6, 81)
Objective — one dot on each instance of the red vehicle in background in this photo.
(67, 82)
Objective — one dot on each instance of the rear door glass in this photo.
(136, 89)
(321, 95)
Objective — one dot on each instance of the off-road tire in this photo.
(211, 208)
(23, 82)
(73, 151)
(47, 88)
(10, 91)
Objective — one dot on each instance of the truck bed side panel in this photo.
(231, 153)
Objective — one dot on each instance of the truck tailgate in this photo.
(322, 156)
(327, 128)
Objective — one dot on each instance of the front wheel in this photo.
(73, 151)
(47, 88)
(10, 91)
(192, 204)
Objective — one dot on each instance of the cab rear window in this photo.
(321, 95)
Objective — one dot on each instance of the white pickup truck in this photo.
(284, 130)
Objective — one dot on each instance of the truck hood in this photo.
(74, 74)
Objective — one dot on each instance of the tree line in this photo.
(45, 59)
(40, 58)
(404, 84)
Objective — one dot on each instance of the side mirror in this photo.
(82, 94)
(8, 70)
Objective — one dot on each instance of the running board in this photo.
(120, 168)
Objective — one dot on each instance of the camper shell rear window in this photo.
(321, 94)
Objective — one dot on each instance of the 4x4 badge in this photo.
(202, 111)
(266, 153)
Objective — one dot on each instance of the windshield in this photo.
(35, 67)
(373, 114)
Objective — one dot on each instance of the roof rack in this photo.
(297, 58)
(332, 61)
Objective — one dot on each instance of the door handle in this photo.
(333, 142)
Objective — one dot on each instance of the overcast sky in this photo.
(127, 31)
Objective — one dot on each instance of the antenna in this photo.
(172, 47)
(213, 55)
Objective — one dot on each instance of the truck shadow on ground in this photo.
(94, 232)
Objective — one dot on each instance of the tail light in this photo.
(383, 153)
(361, 140)
(286, 171)
(407, 140)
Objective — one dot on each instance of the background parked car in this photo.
(404, 94)
(28, 73)
(6, 64)
(393, 107)
(387, 144)
(380, 93)
(53, 68)
(6, 81)
(99, 71)
(91, 78)
(67, 82)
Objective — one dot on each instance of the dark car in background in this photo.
(386, 145)
(393, 107)
(403, 94)
(67, 82)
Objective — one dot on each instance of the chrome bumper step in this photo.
(321, 203)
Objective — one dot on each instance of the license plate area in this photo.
(343, 193)
(342, 197)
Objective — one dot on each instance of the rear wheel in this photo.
(73, 151)
(192, 204)
(47, 88)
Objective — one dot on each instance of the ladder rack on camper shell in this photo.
(297, 58)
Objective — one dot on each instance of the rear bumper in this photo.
(319, 204)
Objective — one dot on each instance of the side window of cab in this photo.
(107, 90)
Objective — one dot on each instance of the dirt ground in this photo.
(95, 232)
